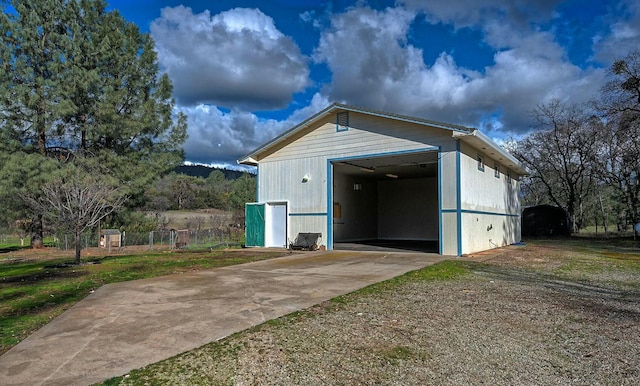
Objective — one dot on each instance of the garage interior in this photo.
(386, 203)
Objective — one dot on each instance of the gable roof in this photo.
(465, 134)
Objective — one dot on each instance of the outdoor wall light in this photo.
(306, 178)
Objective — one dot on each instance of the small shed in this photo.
(110, 238)
(358, 175)
(545, 220)
(180, 237)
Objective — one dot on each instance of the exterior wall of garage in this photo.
(475, 211)
(490, 208)
(280, 174)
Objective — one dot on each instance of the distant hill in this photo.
(204, 171)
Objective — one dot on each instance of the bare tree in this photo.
(620, 133)
(560, 156)
(196, 223)
(77, 203)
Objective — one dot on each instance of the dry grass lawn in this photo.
(551, 312)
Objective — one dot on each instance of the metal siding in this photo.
(448, 179)
(282, 180)
(329, 218)
(490, 205)
(449, 240)
(458, 200)
(309, 224)
(481, 190)
(366, 135)
(486, 231)
(281, 173)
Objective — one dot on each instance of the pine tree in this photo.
(80, 85)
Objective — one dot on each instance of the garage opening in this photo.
(387, 203)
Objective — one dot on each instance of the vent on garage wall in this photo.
(342, 121)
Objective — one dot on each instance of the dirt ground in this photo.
(532, 315)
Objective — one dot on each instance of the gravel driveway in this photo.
(530, 316)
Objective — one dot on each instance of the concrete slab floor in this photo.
(128, 325)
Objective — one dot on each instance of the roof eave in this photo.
(516, 166)
(253, 157)
(247, 161)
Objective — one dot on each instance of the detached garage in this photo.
(368, 177)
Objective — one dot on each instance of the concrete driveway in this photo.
(128, 325)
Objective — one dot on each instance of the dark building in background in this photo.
(545, 220)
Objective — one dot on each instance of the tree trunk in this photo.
(604, 215)
(37, 233)
(78, 247)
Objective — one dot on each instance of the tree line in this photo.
(177, 191)
(586, 158)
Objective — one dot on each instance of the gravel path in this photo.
(518, 320)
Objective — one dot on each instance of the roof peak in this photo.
(250, 159)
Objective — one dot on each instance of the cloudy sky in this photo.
(245, 71)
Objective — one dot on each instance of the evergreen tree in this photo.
(81, 84)
(244, 190)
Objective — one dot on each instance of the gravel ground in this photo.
(523, 318)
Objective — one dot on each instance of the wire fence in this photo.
(154, 240)
(8, 239)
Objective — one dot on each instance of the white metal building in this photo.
(357, 175)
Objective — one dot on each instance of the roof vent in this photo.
(342, 121)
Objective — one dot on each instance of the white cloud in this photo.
(218, 137)
(374, 66)
(624, 34)
(463, 14)
(236, 59)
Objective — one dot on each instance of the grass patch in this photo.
(611, 261)
(445, 270)
(34, 292)
(400, 353)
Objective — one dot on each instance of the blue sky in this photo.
(245, 71)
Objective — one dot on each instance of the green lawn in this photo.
(32, 292)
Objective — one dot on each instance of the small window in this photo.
(481, 163)
(342, 121)
(496, 171)
(508, 176)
